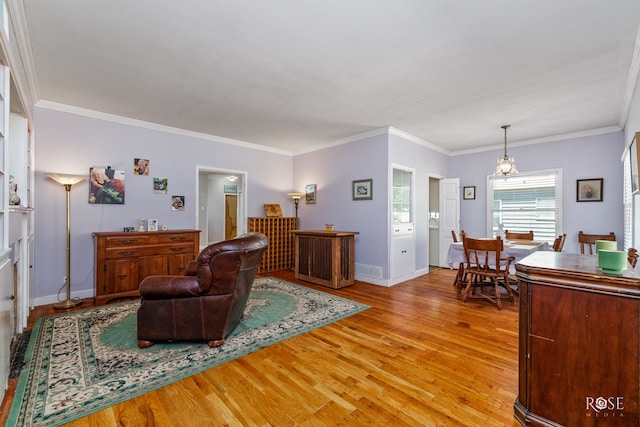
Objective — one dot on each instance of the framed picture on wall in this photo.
(469, 193)
(589, 190)
(362, 189)
(310, 194)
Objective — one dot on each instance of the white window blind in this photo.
(627, 203)
(527, 201)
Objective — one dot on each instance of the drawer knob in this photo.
(177, 249)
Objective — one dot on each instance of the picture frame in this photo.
(589, 190)
(272, 210)
(152, 225)
(310, 194)
(362, 189)
(469, 192)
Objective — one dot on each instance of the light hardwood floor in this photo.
(418, 357)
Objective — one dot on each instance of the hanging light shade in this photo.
(506, 165)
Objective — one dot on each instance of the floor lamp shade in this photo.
(296, 200)
(67, 181)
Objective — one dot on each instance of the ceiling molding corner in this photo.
(632, 83)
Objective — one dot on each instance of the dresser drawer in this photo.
(125, 241)
(138, 251)
(174, 238)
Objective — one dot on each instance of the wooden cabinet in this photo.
(279, 253)
(122, 260)
(578, 343)
(325, 257)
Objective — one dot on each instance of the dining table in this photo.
(518, 249)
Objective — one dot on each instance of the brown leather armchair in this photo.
(207, 303)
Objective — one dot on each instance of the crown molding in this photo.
(27, 90)
(543, 140)
(418, 140)
(154, 126)
(346, 140)
(632, 83)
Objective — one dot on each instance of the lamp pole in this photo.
(67, 182)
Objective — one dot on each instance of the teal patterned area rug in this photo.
(83, 361)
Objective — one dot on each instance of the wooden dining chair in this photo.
(558, 243)
(485, 265)
(518, 236)
(632, 257)
(589, 240)
(453, 235)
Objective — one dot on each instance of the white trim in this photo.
(417, 140)
(154, 126)
(542, 140)
(23, 42)
(346, 140)
(632, 83)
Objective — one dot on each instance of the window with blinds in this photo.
(627, 203)
(527, 201)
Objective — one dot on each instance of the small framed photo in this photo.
(152, 225)
(589, 190)
(469, 193)
(310, 194)
(362, 189)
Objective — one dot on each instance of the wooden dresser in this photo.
(578, 343)
(122, 260)
(325, 257)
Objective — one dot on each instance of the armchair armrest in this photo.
(164, 287)
(191, 269)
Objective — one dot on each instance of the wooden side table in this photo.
(325, 257)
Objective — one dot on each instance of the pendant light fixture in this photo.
(506, 165)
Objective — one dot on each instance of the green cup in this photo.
(609, 245)
(612, 262)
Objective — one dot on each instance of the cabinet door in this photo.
(402, 251)
(152, 265)
(178, 263)
(119, 276)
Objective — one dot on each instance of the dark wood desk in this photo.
(325, 257)
(578, 342)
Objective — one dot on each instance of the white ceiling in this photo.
(299, 74)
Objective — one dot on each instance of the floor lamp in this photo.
(296, 200)
(67, 181)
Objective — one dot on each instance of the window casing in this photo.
(627, 203)
(527, 201)
(402, 196)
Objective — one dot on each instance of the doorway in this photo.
(221, 204)
(230, 216)
(443, 217)
(434, 223)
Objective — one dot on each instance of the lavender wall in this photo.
(426, 162)
(72, 143)
(333, 170)
(579, 158)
